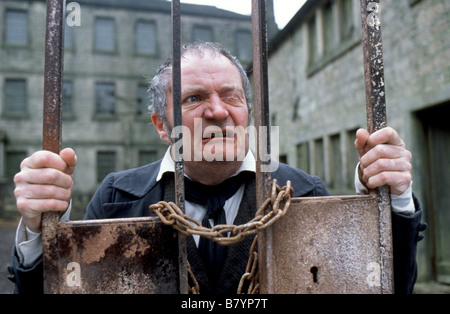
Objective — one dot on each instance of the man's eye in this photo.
(233, 99)
(193, 99)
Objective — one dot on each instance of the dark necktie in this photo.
(213, 198)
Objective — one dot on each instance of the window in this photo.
(105, 35)
(336, 179)
(2, 154)
(273, 118)
(313, 49)
(346, 15)
(244, 45)
(12, 165)
(16, 28)
(296, 109)
(329, 38)
(105, 98)
(303, 157)
(330, 33)
(142, 100)
(145, 38)
(147, 156)
(15, 96)
(67, 95)
(203, 34)
(106, 163)
(319, 162)
(283, 159)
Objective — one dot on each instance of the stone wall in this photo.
(319, 106)
(125, 133)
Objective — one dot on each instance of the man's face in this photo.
(214, 109)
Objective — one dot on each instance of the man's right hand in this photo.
(44, 183)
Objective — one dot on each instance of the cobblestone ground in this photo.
(7, 233)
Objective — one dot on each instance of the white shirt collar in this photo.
(167, 164)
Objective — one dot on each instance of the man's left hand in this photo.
(384, 160)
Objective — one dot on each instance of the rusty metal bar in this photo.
(376, 109)
(54, 52)
(137, 255)
(262, 124)
(177, 118)
(373, 65)
(54, 56)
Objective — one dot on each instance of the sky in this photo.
(284, 9)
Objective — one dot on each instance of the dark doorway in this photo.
(436, 147)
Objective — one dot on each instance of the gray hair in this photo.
(161, 82)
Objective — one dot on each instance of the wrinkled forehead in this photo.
(196, 65)
(202, 62)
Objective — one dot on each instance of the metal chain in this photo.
(251, 272)
(193, 286)
(268, 213)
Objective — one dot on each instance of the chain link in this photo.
(269, 212)
(251, 272)
(193, 286)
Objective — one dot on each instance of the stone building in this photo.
(315, 79)
(112, 48)
(317, 99)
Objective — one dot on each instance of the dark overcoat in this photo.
(129, 193)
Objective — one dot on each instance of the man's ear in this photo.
(158, 122)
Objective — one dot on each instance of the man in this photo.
(215, 96)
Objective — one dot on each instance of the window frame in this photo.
(27, 30)
(112, 114)
(101, 50)
(154, 53)
(11, 114)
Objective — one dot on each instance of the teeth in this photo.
(213, 135)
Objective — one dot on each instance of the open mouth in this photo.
(218, 134)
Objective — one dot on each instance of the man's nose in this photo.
(216, 109)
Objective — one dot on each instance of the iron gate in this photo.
(335, 244)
